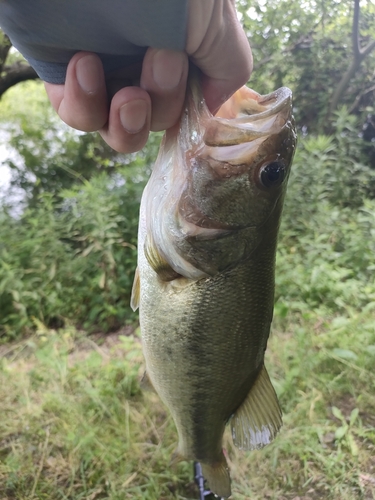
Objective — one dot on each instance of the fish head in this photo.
(220, 181)
(239, 171)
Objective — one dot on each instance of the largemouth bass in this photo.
(209, 221)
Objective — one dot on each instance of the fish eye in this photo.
(272, 174)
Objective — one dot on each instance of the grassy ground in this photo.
(75, 425)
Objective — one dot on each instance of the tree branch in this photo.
(5, 45)
(359, 55)
(305, 39)
(355, 31)
(357, 101)
(18, 72)
(366, 50)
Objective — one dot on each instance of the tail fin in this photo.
(218, 477)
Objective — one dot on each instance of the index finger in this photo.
(82, 101)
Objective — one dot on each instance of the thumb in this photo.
(217, 44)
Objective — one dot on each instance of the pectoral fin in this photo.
(136, 291)
(258, 419)
(158, 263)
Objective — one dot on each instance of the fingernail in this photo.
(167, 68)
(89, 74)
(133, 115)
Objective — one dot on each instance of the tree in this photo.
(359, 54)
(305, 45)
(13, 69)
(44, 154)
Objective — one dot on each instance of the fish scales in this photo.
(209, 221)
(178, 340)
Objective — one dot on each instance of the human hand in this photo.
(151, 96)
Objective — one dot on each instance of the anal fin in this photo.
(259, 418)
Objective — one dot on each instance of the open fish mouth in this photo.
(246, 102)
(246, 117)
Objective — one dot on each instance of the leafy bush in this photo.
(73, 258)
(330, 264)
(326, 248)
(331, 168)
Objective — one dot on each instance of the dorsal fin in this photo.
(258, 419)
(158, 263)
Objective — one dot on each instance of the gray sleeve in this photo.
(49, 32)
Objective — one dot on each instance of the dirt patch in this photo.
(105, 340)
(346, 405)
(368, 485)
(312, 493)
(111, 339)
(103, 343)
(368, 419)
(79, 347)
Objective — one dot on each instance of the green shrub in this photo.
(72, 258)
(327, 246)
(331, 263)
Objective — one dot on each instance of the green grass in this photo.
(75, 424)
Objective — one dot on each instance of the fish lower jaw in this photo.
(199, 230)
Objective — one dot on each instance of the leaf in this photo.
(339, 322)
(87, 250)
(281, 309)
(102, 281)
(352, 445)
(341, 431)
(353, 416)
(52, 272)
(344, 353)
(337, 413)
